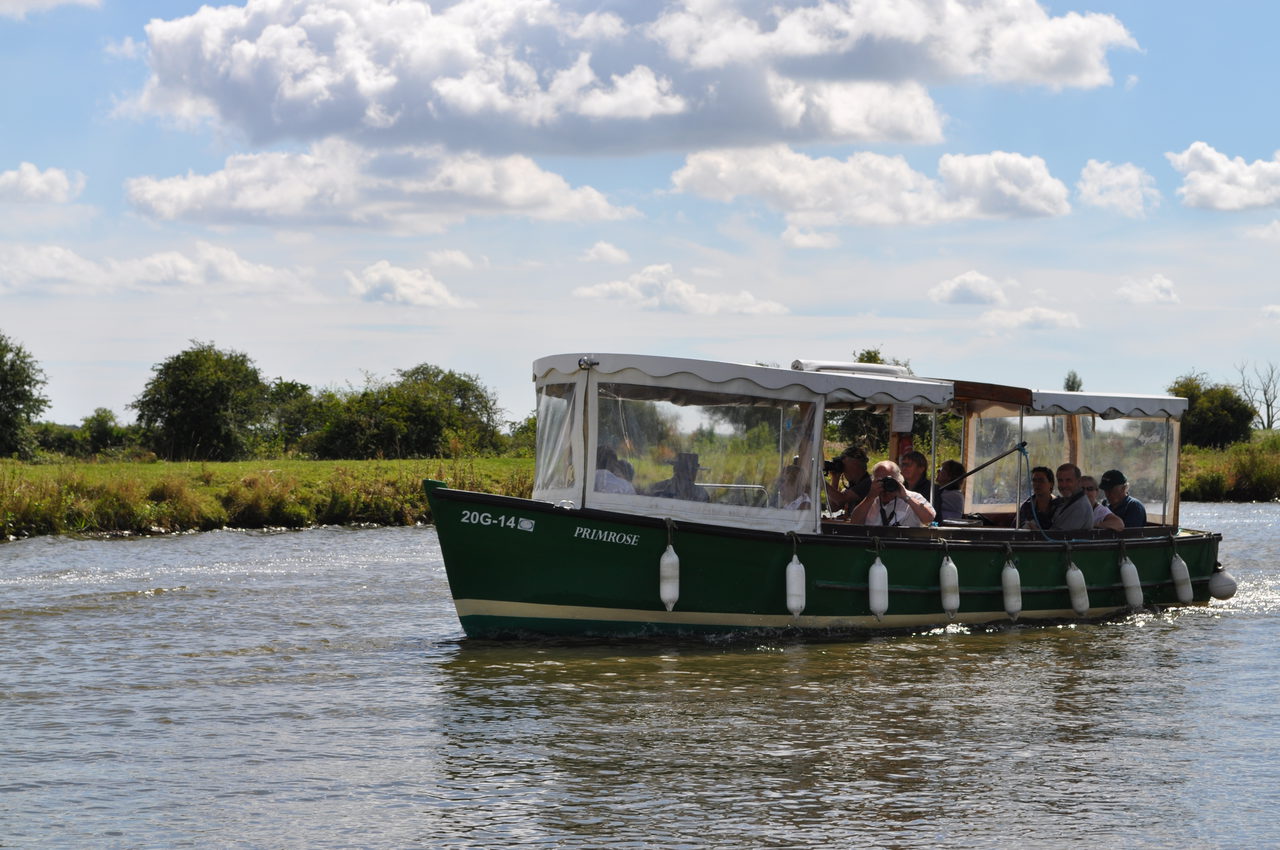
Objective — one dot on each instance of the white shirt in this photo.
(897, 512)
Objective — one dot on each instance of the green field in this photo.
(154, 498)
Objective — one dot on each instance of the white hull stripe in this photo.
(536, 611)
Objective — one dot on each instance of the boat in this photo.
(679, 496)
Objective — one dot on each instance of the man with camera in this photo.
(852, 464)
(889, 503)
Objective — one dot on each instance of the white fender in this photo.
(878, 587)
(949, 584)
(1132, 584)
(795, 586)
(1011, 581)
(1181, 578)
(1222, 585)
(669, 577)
(1079, 591)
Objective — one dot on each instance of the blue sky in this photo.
(997, 191)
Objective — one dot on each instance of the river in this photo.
(313, 689)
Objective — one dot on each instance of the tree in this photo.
(202, 404)
(21, 400)
(1262, 390)
(1072, 382)
(1216, 416)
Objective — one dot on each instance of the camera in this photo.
(836, 466)
(890, 485)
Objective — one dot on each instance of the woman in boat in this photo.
(1037, 510)
(889, 503)
(1102, 515)
(948, 500)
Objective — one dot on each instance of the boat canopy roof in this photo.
(845, 385)
(748, 380)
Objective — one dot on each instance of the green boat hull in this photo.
(518, 567)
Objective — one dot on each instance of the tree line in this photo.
(206, 403)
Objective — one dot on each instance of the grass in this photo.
(154, 498)
(1245, 472)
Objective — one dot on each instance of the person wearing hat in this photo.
(682, 484)
(1129, 509)
(853, 467)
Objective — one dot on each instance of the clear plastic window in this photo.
(555, 467)
(705, 447)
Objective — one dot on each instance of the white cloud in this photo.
(1125, 188)
(1272, 311)
(21, 8)
(869, 188)
(1269, 233)
(1156, 289)
(657, 288)
(540, 75)
(1029, 317)
(27, 183)
(406, 190)
(452, 258)
(604, 252)
(798, 238)
(972, 287)
(1211, 181)
(385, 282)
(58, 270)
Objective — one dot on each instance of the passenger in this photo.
(1102, 516)
(914, 466)
(608, 467)
(889, 503)
(792, 493)
(854, 470)
(1072, 511)
(1116, 488)
(948, 499)
(681, 485)
(1037, 510)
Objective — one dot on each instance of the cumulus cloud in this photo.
(541, 75)
(21, 8)
(1272, 311)
(453, 258)
(337, 183)
(1211, 181)
(1124, 188)
(604, 252)
(57, 270)
(418, 287)
(869, 188)
(657, 288)
(28, 184)
(1156, 289)
(1029, 317)
(972, 287)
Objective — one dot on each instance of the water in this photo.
(312, 689)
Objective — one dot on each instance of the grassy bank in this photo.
(153, 498)
(1245, 472)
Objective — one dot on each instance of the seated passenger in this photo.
(914, 465)
(1072, 512)
(1116, 488)
(1102, 516)
(681, 485)
(889, 503)
(948, 499)
(853, 468)
(792, 493)
(608, 467)
(1037, 510)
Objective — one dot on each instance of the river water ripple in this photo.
(313, 689)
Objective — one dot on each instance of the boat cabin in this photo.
(743, 445)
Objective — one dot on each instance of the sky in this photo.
(992, 190)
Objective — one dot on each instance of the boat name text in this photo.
(606, 536)
(488, 519)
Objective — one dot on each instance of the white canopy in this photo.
(748, 380)
(1107, 406)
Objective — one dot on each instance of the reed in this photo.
(152, 498)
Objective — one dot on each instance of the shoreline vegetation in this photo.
(141, 498)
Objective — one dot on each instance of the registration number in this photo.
(488, 520)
